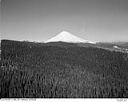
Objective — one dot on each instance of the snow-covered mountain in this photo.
(65, 36)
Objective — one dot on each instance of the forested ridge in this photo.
(62, 70)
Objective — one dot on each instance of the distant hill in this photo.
(116, 46)
(63, 70)
(121, 44)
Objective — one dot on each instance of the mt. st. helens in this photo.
(65, 36)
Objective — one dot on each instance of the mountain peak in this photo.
(64, 33)
(65, 36)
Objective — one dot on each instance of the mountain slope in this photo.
(67, 70)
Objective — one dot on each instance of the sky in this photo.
(39, 20)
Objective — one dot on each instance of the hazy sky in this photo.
(39, 20)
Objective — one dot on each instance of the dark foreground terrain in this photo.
(61, 70)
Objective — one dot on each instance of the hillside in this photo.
(61, 70)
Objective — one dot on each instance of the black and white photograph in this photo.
(64, 49)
